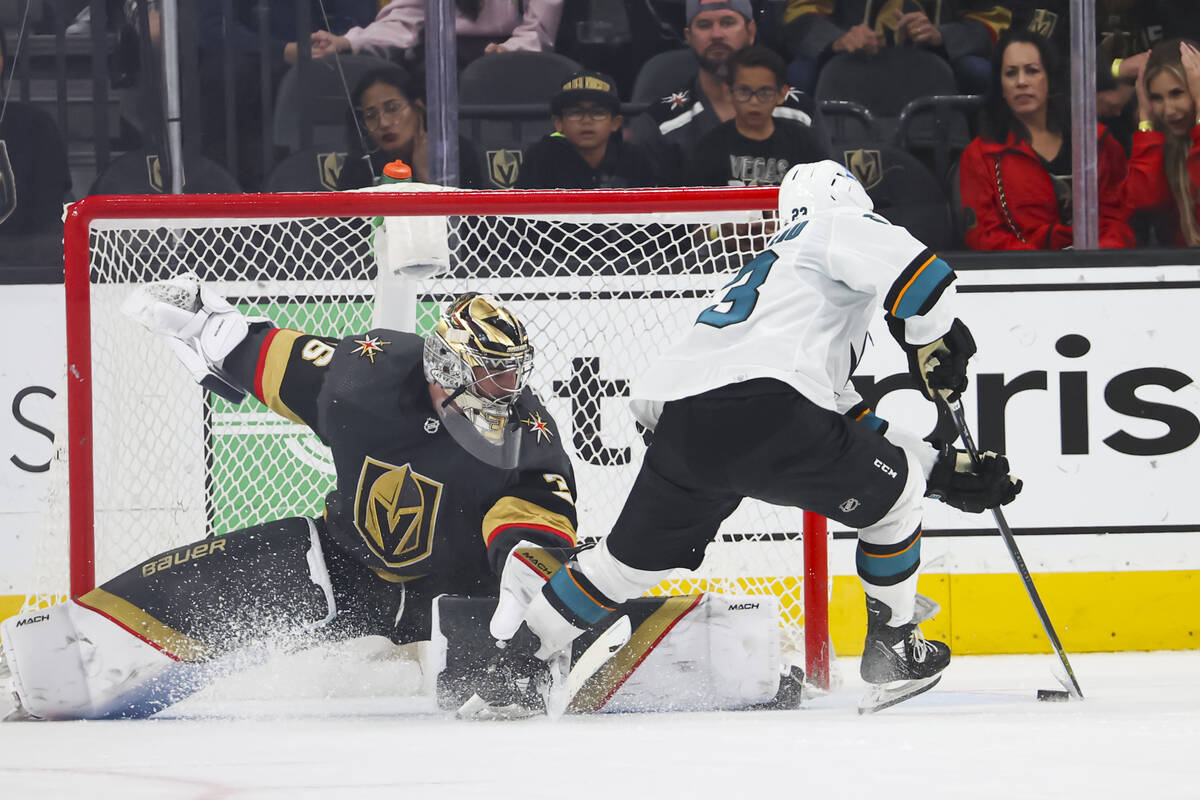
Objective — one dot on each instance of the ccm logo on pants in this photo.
(891, 473)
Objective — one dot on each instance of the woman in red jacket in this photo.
(1164, 170)
(1015, 179)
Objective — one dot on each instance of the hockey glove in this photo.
(940, 367)
(201, 327)
(957, 482)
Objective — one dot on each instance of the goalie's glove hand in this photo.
(940, 367)
(959, 483)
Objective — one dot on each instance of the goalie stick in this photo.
(1070, 684)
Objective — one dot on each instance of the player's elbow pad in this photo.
(201, 327)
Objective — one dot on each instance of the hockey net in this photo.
(603, 281)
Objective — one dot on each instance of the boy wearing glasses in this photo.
(585, 151)
(755, 148)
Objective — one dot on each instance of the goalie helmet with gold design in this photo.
(479, 354)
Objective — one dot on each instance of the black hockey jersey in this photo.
(409, 500)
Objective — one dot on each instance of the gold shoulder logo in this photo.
(395, 511)
(503, 167)
(369, 346)
(867, 166)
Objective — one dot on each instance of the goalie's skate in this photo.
(10, 703)
(898, 662)
(517, 684)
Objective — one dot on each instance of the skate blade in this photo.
(887, 695)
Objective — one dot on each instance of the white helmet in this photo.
(811, 188)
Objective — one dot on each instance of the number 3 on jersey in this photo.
(742, 296)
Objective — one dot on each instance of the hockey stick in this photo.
(960, 422)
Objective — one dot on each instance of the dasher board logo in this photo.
(395, 511)
(503, 167)
(867, 166)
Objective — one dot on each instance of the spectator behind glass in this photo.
(1125, 32)
(962, 31)
(482, 26)
(249, 48)
(673, 126)
(389, 111)
(585, 151)
(1015, 178)
(1164, 170)
(754, 148)
(39, 183)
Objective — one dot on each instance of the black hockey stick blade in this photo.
(1071, 684)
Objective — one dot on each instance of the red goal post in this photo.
(602, 278)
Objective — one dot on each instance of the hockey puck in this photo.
(1053, 695)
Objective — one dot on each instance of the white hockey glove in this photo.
(959, 483)
(201, 326)
(940, 367)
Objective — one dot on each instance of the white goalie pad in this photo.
(685, 653)
(722, 654)
(68, 662)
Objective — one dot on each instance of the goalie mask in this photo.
(808, 189)
(480, 354)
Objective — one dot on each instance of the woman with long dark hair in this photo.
(1015, 178)
(1164, 170)
(387, 122)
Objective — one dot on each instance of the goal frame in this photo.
(81, 215)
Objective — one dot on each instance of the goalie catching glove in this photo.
(957, 482)
(940, 367)
(201, 326)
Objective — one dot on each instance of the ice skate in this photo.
(517, 684)
(10, 703)
(898, 661)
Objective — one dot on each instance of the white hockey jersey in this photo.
(800, 310)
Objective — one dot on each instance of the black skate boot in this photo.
(516, 683)
(898, 661)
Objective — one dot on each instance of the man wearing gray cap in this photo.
(674, 124)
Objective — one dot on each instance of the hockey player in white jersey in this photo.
(755, 400)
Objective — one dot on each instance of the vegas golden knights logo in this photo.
(867, 166)
(503, 167)
(329, 167)
(395, 511)
(154, 173)
(1043, 22)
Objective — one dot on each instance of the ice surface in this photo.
(980, 734)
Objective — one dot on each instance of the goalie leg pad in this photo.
(204, 599)
(69, 662)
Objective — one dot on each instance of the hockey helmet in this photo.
(823, 185)
(480, 354)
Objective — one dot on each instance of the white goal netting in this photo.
(600, 289)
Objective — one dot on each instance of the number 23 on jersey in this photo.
(742, 292)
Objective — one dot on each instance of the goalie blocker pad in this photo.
(701, 652)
